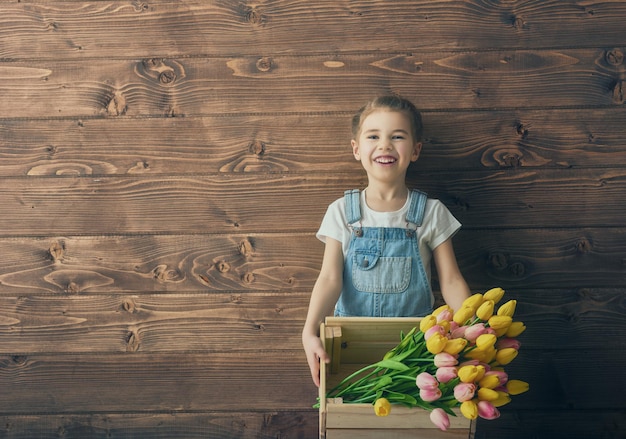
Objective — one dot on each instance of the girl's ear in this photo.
(416, 151)
(355, 149)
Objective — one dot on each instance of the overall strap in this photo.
(353, 205)
(417, 207)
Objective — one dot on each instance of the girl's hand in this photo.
(314, 354)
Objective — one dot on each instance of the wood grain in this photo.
(75, 30)
(209, 86)
(312, 143)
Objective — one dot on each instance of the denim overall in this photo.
(383, 273)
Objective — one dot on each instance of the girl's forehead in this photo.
(385, 117)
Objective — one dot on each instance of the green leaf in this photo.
(392, 364)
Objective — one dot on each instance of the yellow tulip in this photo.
(455, 346)
(469, 374)
(382, 407)
(469, 409)
(486, 341)
(428, 322)
(436, 343)
(441, 309)
(494, 294)
(515, 387)
(485, 394)
(515, 329)
(463, 314)
(500, 322)
(503, 399)
(489, 382)
(508, 309)
(479, 354)
(485, 311)
(474, 301)
(505, 356)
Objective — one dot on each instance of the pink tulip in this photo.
(486, 410)
(440, 418)
(426, 381)
(458, 332)
(470, 363)
(508, 343)
(474, 331)
(437, 329)
(430, 395)
(464, 391)
(445, 374)
(445, 315)
(444, 359)
(502, 376)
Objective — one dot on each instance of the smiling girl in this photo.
(379, 242)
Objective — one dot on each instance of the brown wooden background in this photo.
(165, 164)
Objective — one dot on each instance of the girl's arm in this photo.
(323, 299)
(454, 289)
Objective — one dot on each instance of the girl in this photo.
(379, 241)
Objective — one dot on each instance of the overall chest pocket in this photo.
(372, 273)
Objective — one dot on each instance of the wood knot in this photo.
(56, 251)
(257, 148)
(167, 77)
(522, 130)
(614, 57)
(128, 305)
(163, 274)
(248, 278)
(117, 105)
(222, 266)
(72, 288)
(498, 261)
(264, 64)
(518, 22)
(583, 246)
(618, 92)
(246, 248)
(254, 16)
(132, 341)
(510, 160)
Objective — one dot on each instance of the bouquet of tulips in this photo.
(452, 360)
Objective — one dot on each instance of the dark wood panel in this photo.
(147, 323)
(546, 423)
(297, 203)
(214, 425)
(270, 380)
(201, 86)
(306, 143)
(83, 29)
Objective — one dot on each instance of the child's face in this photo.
(385, 145)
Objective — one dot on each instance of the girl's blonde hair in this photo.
(389, 103)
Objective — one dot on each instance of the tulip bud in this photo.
(485, 394)
(486, 410)
(441, 309)
(515, 329)
(436, 343)
(444, 359)
(440, 418)
(437, 329)
(472, 332)
(426, 381)
(485, 310)
(508, 343)
(445, 315)
(501, 375)
(430, 395)
(382, 407)
(446, 374)
(469, 409)
(464, 391)
(468, 374)
(508, 309)
(500, 322)
(473, 301)
(463, 315)
(505, 356)
(427, 322)
(486, 341)
(515, 387)
(489, 381)
(503, 399)
(455, 346)
(494, 294)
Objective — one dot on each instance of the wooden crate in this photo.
(352, 343)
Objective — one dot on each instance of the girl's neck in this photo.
(386, 199)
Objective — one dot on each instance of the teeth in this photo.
(385, 160)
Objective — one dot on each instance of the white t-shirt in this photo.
(438, 225)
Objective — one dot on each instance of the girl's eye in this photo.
(372, 137)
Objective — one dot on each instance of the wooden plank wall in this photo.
(165, 164)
